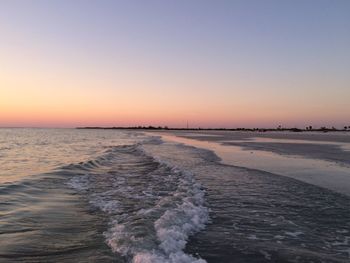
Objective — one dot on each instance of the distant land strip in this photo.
(279, 128)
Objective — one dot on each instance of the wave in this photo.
(152, 206)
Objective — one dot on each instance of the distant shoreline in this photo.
(308, 129)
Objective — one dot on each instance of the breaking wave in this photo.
(152, 207)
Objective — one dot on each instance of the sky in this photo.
(209, 63)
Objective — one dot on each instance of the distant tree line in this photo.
(278, 128)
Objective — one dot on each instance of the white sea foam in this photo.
(79, 182)
(175, 225)
(174, 205)
(172, 228)
(178, 257)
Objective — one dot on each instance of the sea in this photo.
(93, 195)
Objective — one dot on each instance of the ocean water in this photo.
(125, 196)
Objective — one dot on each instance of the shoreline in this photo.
(323, 173)
(152, 128)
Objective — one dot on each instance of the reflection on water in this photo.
(41, 220)
(27, 152)
(343, 145)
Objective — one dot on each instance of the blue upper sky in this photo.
(266, 56)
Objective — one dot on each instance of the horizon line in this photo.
(165, 127)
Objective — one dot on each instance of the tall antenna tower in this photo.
(187, 124)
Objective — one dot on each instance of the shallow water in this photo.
(112, 196)
(332, 175)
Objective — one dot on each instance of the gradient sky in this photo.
(211, 63)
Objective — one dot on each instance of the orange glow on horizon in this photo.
(62, 98)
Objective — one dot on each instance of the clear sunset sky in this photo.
(212, 63)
